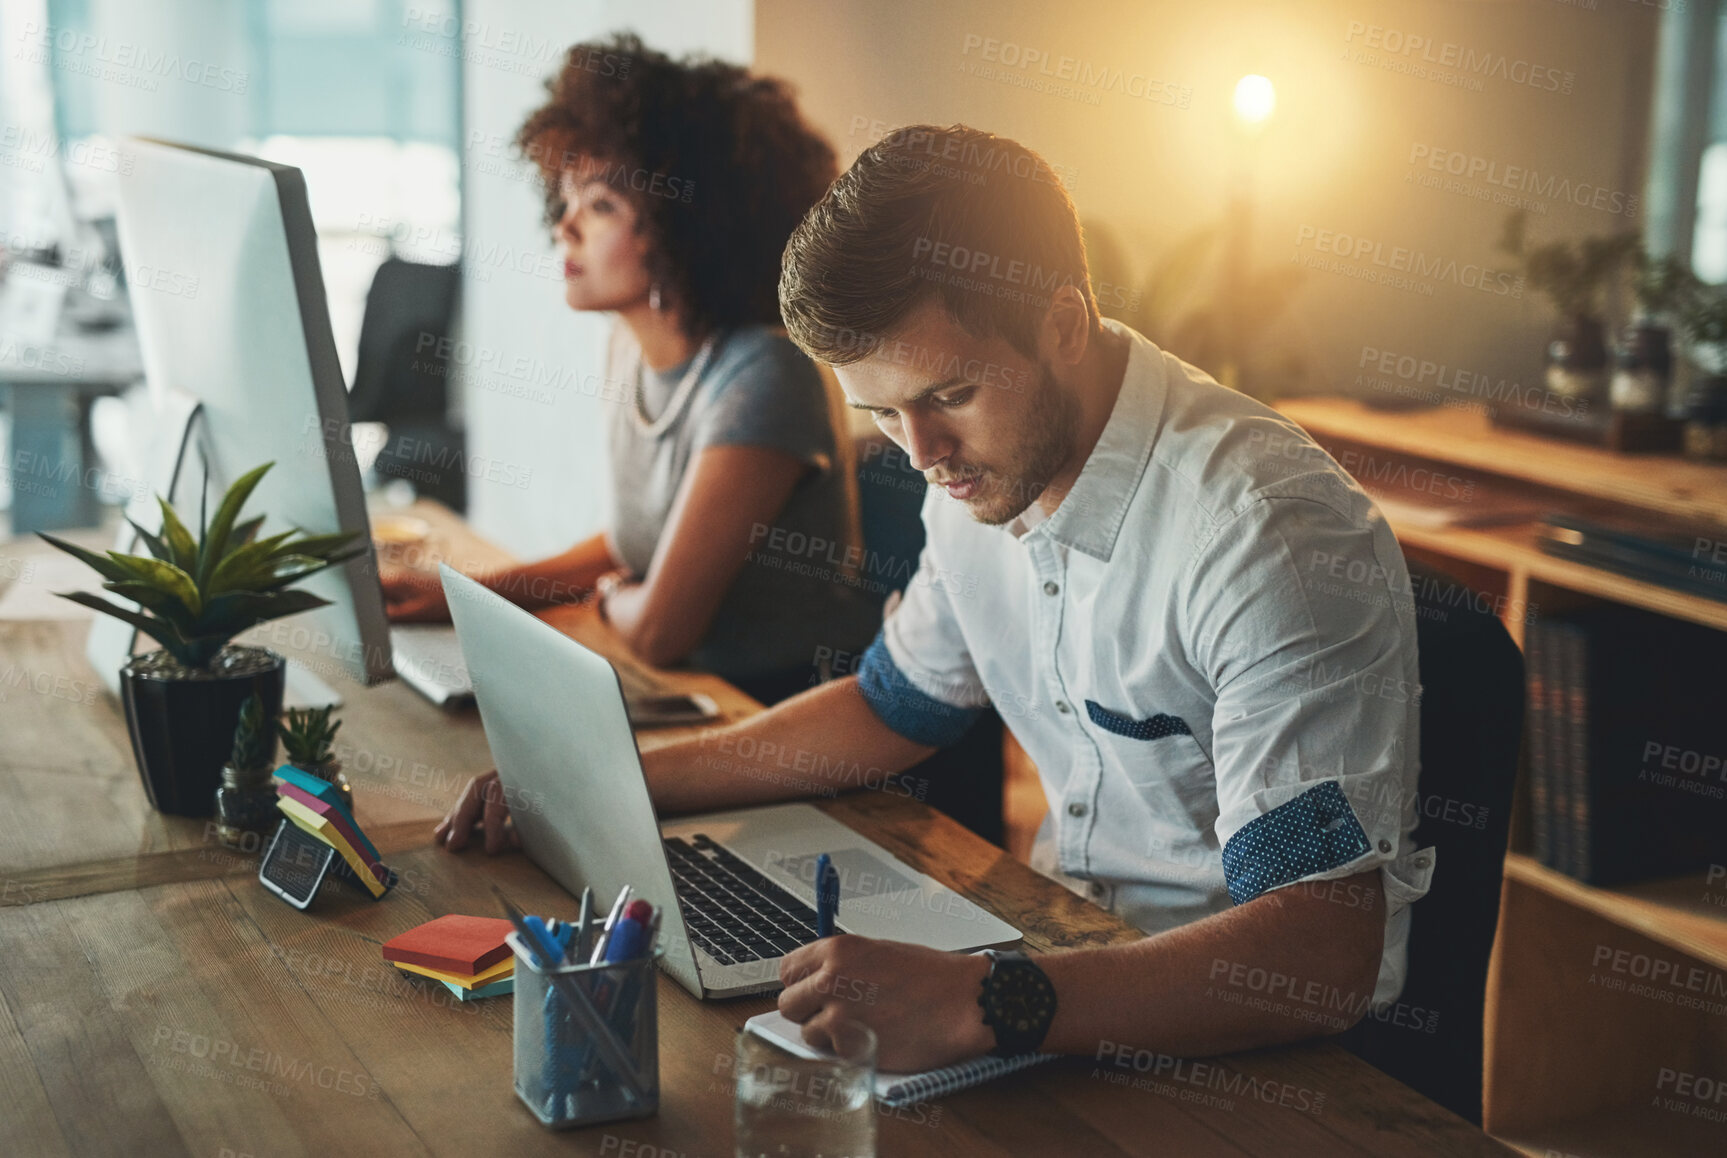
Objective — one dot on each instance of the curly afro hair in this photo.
(719, 164)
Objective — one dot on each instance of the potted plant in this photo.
(246, 801)
(193, 596)
(1666, 292)
(1699, 392)
(308, 737)
(1574, 276)
(1186, 305)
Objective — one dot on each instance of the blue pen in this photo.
(827, 895)
(628, 941)
(633, 939)
(542, 942)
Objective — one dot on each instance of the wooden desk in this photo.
(156, 1000)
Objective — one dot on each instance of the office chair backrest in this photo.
(890, 505)
(1471, 732)
(402, 374)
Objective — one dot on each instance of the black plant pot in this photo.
(183, 728)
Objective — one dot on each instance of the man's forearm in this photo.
(823, 741)
(1291, 964)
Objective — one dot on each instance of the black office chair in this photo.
(1471, 733)
(965, 780)
(402, 375)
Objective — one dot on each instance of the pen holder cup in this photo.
(586, 1039)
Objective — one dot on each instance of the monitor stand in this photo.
(305, 690)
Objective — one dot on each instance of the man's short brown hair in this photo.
(977, 222)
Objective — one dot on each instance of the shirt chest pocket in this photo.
(1160, 761)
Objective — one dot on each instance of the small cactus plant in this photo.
(308, 735)
(254, 738)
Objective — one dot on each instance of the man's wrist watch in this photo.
(1018, 1003)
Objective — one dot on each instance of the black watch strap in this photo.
(1018, 1003)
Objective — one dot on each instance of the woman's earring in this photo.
(654, 297)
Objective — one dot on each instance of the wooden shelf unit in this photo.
(1571, 1063)
(1656, 482)
(1683, 914)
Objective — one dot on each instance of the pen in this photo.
(631, 932)
(628, 937)
(542, 942)
(631, 941)
(612, 919)
(827, 895)
(579, 950)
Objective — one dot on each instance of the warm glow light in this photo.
(1255, 99)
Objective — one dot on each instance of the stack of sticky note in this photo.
(315, 805)
(467, 955)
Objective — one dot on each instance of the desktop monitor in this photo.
(222, 265)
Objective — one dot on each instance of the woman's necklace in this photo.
(654, 427)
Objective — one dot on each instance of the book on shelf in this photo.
(1627, 745)
(1678, 556)
(1540, 779)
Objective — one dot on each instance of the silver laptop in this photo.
(737, 888)
(428, 658)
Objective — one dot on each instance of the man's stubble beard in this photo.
(1050, 424)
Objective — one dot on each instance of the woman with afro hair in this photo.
(734, 544)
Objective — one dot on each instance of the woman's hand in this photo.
(413, 596)
(481, 803)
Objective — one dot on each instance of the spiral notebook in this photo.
(899, 1089)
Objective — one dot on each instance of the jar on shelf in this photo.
(1644, 366)
(1705, 413)
(1577, 361)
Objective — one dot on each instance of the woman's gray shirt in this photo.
(799, 590)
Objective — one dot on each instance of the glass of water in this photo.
(793, 1107)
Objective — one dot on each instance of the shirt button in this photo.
(1385, 846)
(1076, 809)
(1052, 588)
(1061, 706)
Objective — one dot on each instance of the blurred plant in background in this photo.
(1182, 305)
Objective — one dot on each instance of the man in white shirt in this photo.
(1198, 627)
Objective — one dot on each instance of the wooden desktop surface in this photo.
(154, 999)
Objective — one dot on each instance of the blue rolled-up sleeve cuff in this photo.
(1315, 832)
(906, 708)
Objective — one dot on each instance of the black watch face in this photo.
(1020, 1003)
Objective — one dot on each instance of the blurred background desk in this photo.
(46, 392)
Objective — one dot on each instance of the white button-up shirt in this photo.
(1209, 651)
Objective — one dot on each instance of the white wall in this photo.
(516, 328)
(1347, 151)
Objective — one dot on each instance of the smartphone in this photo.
(666, 711)
(295, 864)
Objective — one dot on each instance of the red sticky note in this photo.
(452, 943)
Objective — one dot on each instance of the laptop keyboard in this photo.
(732, 911)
